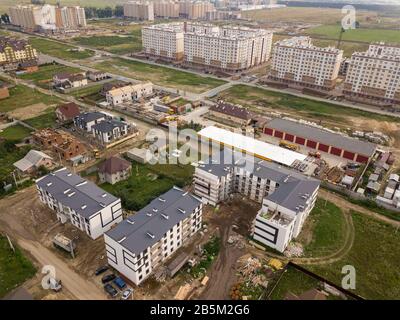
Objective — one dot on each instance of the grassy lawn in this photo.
(46, 73)
(15, 133)
(59, 50)
(258, 98)
(326, 223)
(9, 154)
(120, 44)
(293, 281)
(22, 96)
(159, 75)
(15, 268)
(375, 256)
(45, 120)
(147, 182)
(86, 91)
(364, 35)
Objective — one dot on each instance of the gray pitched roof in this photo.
(75, 192)
(150, 224)
(292, 185)
(108, 125)
(32, 158)
(323, 136)
(90, 116)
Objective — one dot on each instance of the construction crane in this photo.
(342, 30)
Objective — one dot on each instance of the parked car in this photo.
(127, 294)
(120, 283)
(110, 290)
(108, 278)
(101, 270)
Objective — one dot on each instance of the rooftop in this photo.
(320, 135)
(69, 110)
(32, 158)
(232, 110)
(83, 196)
(252, 146)
(113, 165)
(149, 225)
(90, 116)
(108, 125)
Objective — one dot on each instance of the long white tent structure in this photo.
(252, 146)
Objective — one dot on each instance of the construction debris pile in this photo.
(294, 250)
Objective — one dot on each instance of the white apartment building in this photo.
(374, 75)
(195, 10)
(297, 61)
(287, 197)
(79, 202)
(164, 40)
(140, 10)
(166, 9)
(226, 48)
(137, 245)
(129, 93)
(47, 17)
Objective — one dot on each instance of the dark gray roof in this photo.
(150, 224)
(90, 116)
(75, 192)
(231, 110)
(323, 136)
(292, 185)
(108, 125)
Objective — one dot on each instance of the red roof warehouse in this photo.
(322, 140)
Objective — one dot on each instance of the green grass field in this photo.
(375, 255)
(15, 133)
(326, 224)
(259, 98)
(120, 44)
(364, 35)
(293, 281)
(159, 75)
(147, 182)
(45, 74)
(15, 268)
(46, 120)
(22, 96)
(59, 50)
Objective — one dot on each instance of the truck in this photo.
(288, 145)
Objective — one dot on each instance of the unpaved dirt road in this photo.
(11, 223)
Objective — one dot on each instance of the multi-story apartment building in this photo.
(166, 9)
(79, 202)
(139, 10)
(287, 197)
(164, 41)
(109, 130)
(297, 61)
(195, 10)
(226, 48)
(137, 245)
(14, 52)
(374, 75)
(47, 17)
(129, 93)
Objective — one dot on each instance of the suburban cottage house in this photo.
(114, 170)
(67, 80)
(32, 161)
(67, 111)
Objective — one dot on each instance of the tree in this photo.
(5, 18)
(119, 11)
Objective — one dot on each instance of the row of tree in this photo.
(107, 12)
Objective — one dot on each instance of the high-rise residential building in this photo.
(297, 61)
(166, 9)
(374, 75)
(139, 10)
(47, 17)
(226, 48)
(164, 40)
(14, 52)
(195, 10)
